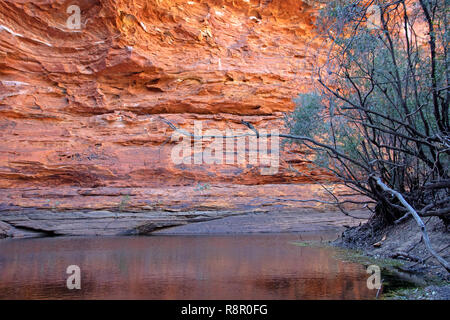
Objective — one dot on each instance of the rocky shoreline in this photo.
(32, 222)
(120, 211)
(41, 223)
(403, 244)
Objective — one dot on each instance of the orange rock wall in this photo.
(82, 107)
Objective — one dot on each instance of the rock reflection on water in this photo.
(178, 267)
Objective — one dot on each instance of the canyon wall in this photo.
(83, 107)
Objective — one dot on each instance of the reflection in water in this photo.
(178, 267)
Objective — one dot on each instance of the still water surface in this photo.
(265, 266)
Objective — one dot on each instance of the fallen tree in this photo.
(419, 221)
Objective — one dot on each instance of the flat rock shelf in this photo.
(32, 222)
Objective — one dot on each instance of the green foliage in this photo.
(312, 118)
(309, 119)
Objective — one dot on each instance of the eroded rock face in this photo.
(83, 107)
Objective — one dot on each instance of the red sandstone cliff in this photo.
(84, 150)
(81, 107)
